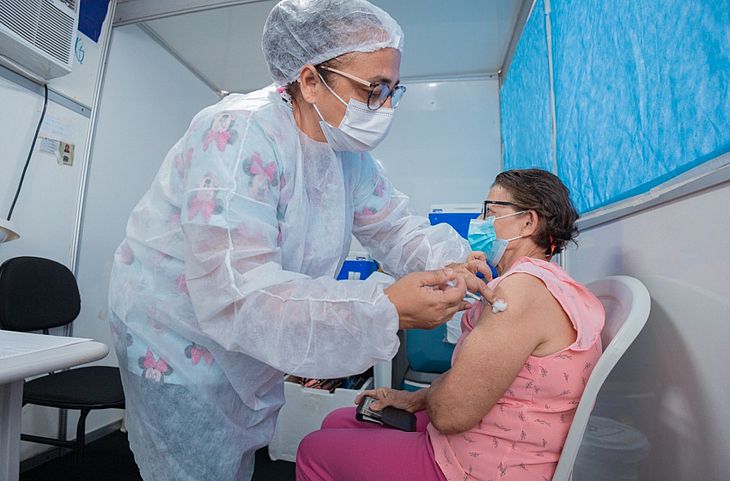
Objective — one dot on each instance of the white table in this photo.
(23, 356)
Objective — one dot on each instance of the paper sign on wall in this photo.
(63, 151)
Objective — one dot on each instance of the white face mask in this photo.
(361, 129)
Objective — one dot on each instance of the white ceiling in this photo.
(443, 38)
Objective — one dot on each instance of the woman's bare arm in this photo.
(491, 356)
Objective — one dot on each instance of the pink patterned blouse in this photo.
(521, 437)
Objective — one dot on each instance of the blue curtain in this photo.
(525, 116)
(641, 92)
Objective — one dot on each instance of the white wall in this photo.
(444, 146)
(672, 384)
(147, 102)
(47, 205)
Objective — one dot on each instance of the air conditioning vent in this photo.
(22, 21)
(55, 32)
(39, 35)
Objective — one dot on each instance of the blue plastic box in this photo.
(458, 220)
(358, 268)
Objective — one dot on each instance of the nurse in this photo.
(226, 278)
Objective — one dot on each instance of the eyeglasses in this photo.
(487, 203)
(379, 92)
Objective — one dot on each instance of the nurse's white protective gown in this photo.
(226, 280)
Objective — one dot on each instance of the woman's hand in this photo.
(425, 300)
(476, 262)
(410, 401)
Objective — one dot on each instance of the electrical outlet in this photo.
(65, 153)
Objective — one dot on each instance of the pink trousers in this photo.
(349, 450)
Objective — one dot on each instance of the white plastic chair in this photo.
(627, 305)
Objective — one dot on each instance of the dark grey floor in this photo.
(109, 459)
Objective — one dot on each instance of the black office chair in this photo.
(38, 294)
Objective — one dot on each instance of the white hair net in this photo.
(300, 32)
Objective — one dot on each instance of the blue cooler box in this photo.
(456, 218)
(357, 268)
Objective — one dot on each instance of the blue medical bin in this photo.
(458, 220)
(427, 350)
(357, 268)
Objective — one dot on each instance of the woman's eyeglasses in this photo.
(379, 92)
(487, 203)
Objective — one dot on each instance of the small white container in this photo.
(303, 413)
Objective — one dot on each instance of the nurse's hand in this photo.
(425, 300)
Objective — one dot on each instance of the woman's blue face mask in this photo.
(482, 237)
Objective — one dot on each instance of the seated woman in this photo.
(504, 408)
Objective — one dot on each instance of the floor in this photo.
(109, 459)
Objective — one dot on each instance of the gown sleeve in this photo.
(400, 241)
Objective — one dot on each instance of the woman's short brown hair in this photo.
(545, 193)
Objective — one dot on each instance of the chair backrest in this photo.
(627, 303)
(36, 294)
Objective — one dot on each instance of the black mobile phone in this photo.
(388, 416)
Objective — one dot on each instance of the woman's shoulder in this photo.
(521, 273)
(524, 286)
(549, 273)
(533, 264)
(583, 308)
